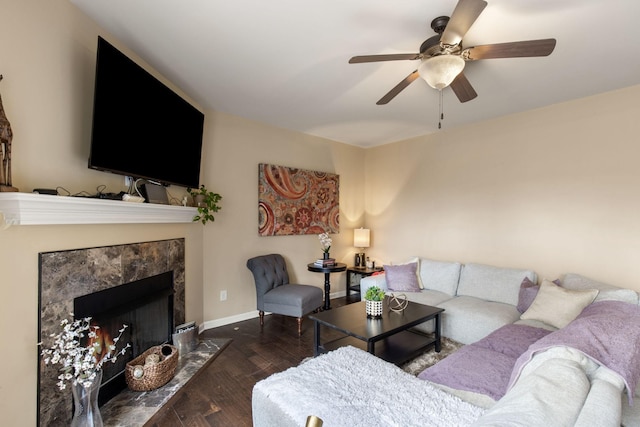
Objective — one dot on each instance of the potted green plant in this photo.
(207, 203)
(374, 296)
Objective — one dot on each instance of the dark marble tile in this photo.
(68, 274)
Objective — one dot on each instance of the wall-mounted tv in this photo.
(141, 128)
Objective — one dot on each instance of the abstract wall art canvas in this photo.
(297, 201)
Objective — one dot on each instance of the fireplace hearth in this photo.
(139, 284)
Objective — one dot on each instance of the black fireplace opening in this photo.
(145, 306)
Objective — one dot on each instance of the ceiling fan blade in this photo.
(462, 18)
(462, 88)
(527, 48)
(377, 58)
(398, 88)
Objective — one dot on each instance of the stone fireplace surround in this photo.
(67, 274)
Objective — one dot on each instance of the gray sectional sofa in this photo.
(477, 298)
(561, 382)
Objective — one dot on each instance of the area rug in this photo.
(430, 357)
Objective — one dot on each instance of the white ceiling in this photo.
(284, 62)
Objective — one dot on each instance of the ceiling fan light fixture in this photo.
(439, 71)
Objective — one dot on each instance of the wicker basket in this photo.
(154, 375)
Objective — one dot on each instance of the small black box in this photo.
(49, 191)
(155, 194)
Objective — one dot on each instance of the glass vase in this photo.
(325, 255)
(85, 402)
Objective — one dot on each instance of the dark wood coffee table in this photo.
(389, 337)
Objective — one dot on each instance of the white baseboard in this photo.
(209, 324)
(338, 294)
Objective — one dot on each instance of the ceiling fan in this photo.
(443, 57)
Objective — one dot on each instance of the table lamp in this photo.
(360, 241)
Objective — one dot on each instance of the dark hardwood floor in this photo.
(220, 395)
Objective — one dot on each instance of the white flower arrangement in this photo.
(80, 365)
(325, 242)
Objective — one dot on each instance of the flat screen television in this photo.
(141, 128)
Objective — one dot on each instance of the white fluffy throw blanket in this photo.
(350, 387)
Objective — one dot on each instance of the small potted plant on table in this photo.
(374, 296)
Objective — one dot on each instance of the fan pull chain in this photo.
(441, 110)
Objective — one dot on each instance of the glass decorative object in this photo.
(85, 401)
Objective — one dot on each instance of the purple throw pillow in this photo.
(402, 278)
(528, 292)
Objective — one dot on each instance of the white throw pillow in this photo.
(557, 306)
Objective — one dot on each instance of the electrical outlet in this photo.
(223, 295)
(128, 180)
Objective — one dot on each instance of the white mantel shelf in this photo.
(41, 209)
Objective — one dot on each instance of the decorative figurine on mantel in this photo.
(5, 150)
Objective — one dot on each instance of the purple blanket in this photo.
(608, 332)
(485, 366)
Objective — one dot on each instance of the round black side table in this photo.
(327, 280)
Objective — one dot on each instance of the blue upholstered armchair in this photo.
(275, 294)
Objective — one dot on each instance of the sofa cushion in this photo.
(379, 280)
(535, 324)
(526, 295)
(485, 366)
(426, 297)
(607, 292)
(558, 306)
(493, 283)
(293, 300)
(402, 277)
(467, 319)
(553, 394)
(412, 260)
(528, 292)
(440, 275)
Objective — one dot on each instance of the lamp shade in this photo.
(439, 71)
(361, 238)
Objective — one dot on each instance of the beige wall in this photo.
(48, 63)
(235, 148)
(554, 190)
